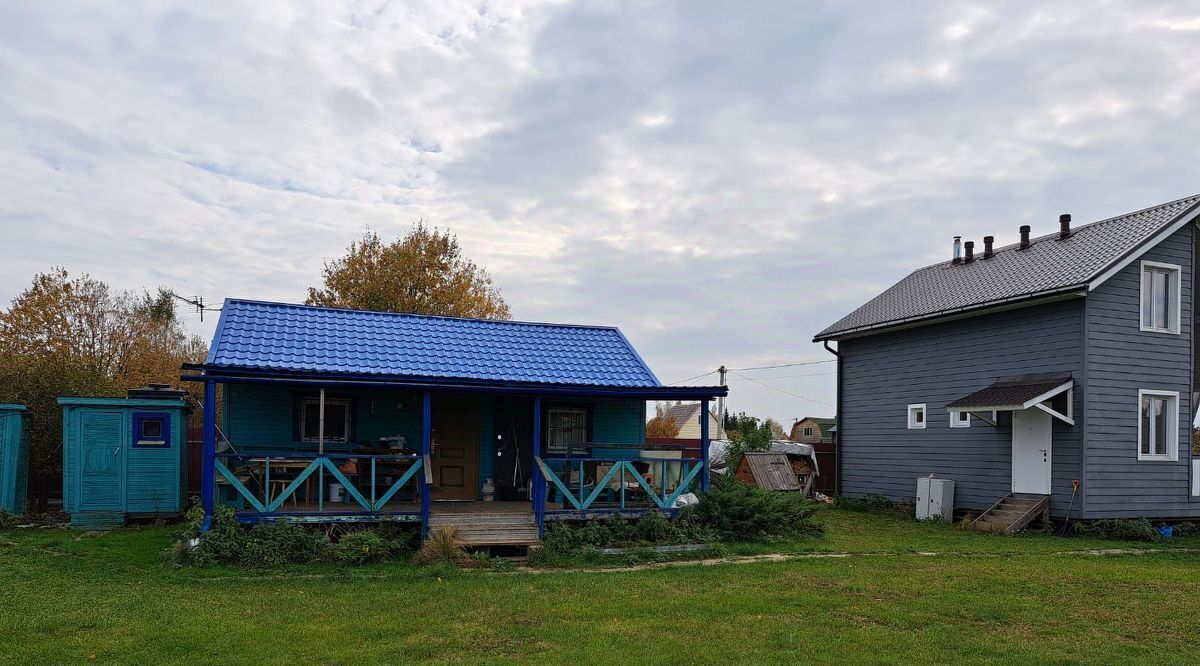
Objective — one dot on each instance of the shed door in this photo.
(102, 458)
(1031, 454)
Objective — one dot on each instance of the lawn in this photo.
(69, 598)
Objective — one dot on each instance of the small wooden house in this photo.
(333, 415)
(14, 457)
(124, 457)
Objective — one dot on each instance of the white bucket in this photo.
(336, 493)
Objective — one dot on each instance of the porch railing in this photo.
(370, 488)
(672, 477)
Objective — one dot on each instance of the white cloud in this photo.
(719, 180)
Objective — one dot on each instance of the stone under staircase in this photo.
(489, 528)
(1012, 513)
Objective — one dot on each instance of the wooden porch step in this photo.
(1012, 513)
(490, 528)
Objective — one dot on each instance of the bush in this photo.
(1126, 529)
(502, 565)
(1184, 530)
(442, 546)
(561, 539)
(736, 511)
(653, 527)
(277, 544)
(361, 547)
(8, 519)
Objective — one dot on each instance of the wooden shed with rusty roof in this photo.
(768, 469)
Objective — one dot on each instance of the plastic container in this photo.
(337, 493)
(1166, 531)
(489, 491)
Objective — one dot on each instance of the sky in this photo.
(720, 180)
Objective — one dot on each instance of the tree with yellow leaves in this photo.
(423, 272)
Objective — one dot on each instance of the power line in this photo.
(681, 381)
(807, 374)
(776, 388)
(784, 365)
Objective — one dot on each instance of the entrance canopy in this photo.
(1051, 393)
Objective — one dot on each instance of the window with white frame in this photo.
(960, 418)
(337, 419)
(1158, 425)
(565, 428)
(916, 416)
(1160, 297)
(808, 431)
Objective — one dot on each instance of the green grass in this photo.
(67, 598)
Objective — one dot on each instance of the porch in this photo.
(325, 452)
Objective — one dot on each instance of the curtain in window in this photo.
(1154, 425)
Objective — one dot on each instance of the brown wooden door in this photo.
(455, 456)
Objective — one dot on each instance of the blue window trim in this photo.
(136, 430)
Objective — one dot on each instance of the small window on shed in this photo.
(916, 416)
(150, 430)
(960, 419)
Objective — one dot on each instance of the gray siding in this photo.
(1120, 360)
(935, 365)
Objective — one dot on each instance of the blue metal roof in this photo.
(256, 335)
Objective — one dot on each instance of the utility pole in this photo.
(721, 407)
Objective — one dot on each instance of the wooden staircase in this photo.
(485, 526)
(1012, 513)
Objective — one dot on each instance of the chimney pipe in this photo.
(987, 246)
(957, 249)
(1024, 236)
(970, 245)
(1064, 226)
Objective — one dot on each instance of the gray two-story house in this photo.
(1056, 372)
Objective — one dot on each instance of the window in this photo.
(150, 429)
(1160, 297)
(337, 419)
(960, 419)
(1158, 425)
(916, 416)
(808, 431)
(565, 428)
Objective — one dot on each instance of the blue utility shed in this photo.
(124, 457)
(14, 457)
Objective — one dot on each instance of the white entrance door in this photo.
(1031, 451)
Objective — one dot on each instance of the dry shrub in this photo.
(443, 546)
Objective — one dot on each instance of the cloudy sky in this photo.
(721, 180)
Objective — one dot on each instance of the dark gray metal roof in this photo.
(1011, 392)
(1048, 266)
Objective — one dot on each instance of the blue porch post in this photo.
(539, 481)
(704, 446)
(426, 448)
(208, 464)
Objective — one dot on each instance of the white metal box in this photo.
(935, 499)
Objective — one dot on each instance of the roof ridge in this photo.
(1074, 230)
(415, 315)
